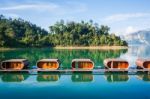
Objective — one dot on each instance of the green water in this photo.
(75, 85)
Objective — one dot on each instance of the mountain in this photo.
(139, 37)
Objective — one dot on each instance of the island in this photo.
(18, 33)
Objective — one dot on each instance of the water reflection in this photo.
(116, 77)
(74, 77)
(143, 76)
(82, 77)
(9, 77)
(48, 77)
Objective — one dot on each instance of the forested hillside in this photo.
(21, 33)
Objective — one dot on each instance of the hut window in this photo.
(76, 65)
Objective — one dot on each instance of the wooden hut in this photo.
(14, 64)
(116, 64)
(52, 64)
(82, 64)
(143, 63)
(82, 77)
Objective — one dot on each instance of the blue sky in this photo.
(122, 16)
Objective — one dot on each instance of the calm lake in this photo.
(76, 85)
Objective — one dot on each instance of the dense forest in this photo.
(21, 33)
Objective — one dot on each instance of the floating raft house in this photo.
(52, 64)
(14, 64)
(116, 64)
(143, 63)
(82, 64)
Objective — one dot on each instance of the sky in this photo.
(122, 16)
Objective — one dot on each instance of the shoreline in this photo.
(73, 47)
(93, 47)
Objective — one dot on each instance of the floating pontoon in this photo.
(82, 64)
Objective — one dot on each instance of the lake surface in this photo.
(75, 85)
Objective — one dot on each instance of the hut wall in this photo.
(85, 65)
(16, 65)
(121, 65)
(48, 65)
(13, 65)
(147, 65)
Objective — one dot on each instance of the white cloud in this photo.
(123, 17)
(67, 8)
(49, 6)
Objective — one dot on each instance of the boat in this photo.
(118, 64)
(14, 64)
(82, 64)
(52, 64)
(143, 63)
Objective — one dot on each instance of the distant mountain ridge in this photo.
(139, 37)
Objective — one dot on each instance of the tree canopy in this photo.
(83, 34)
(21, 33)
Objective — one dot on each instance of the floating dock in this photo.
(69, 71)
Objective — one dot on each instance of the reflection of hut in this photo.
(42, 77)
(15, 64)
(143, 63)
(117, 77)
(82, 77)
(143, 76)
(48, 64)
(0, 64)
(82, 64)
(116, 64)
(11, 77)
